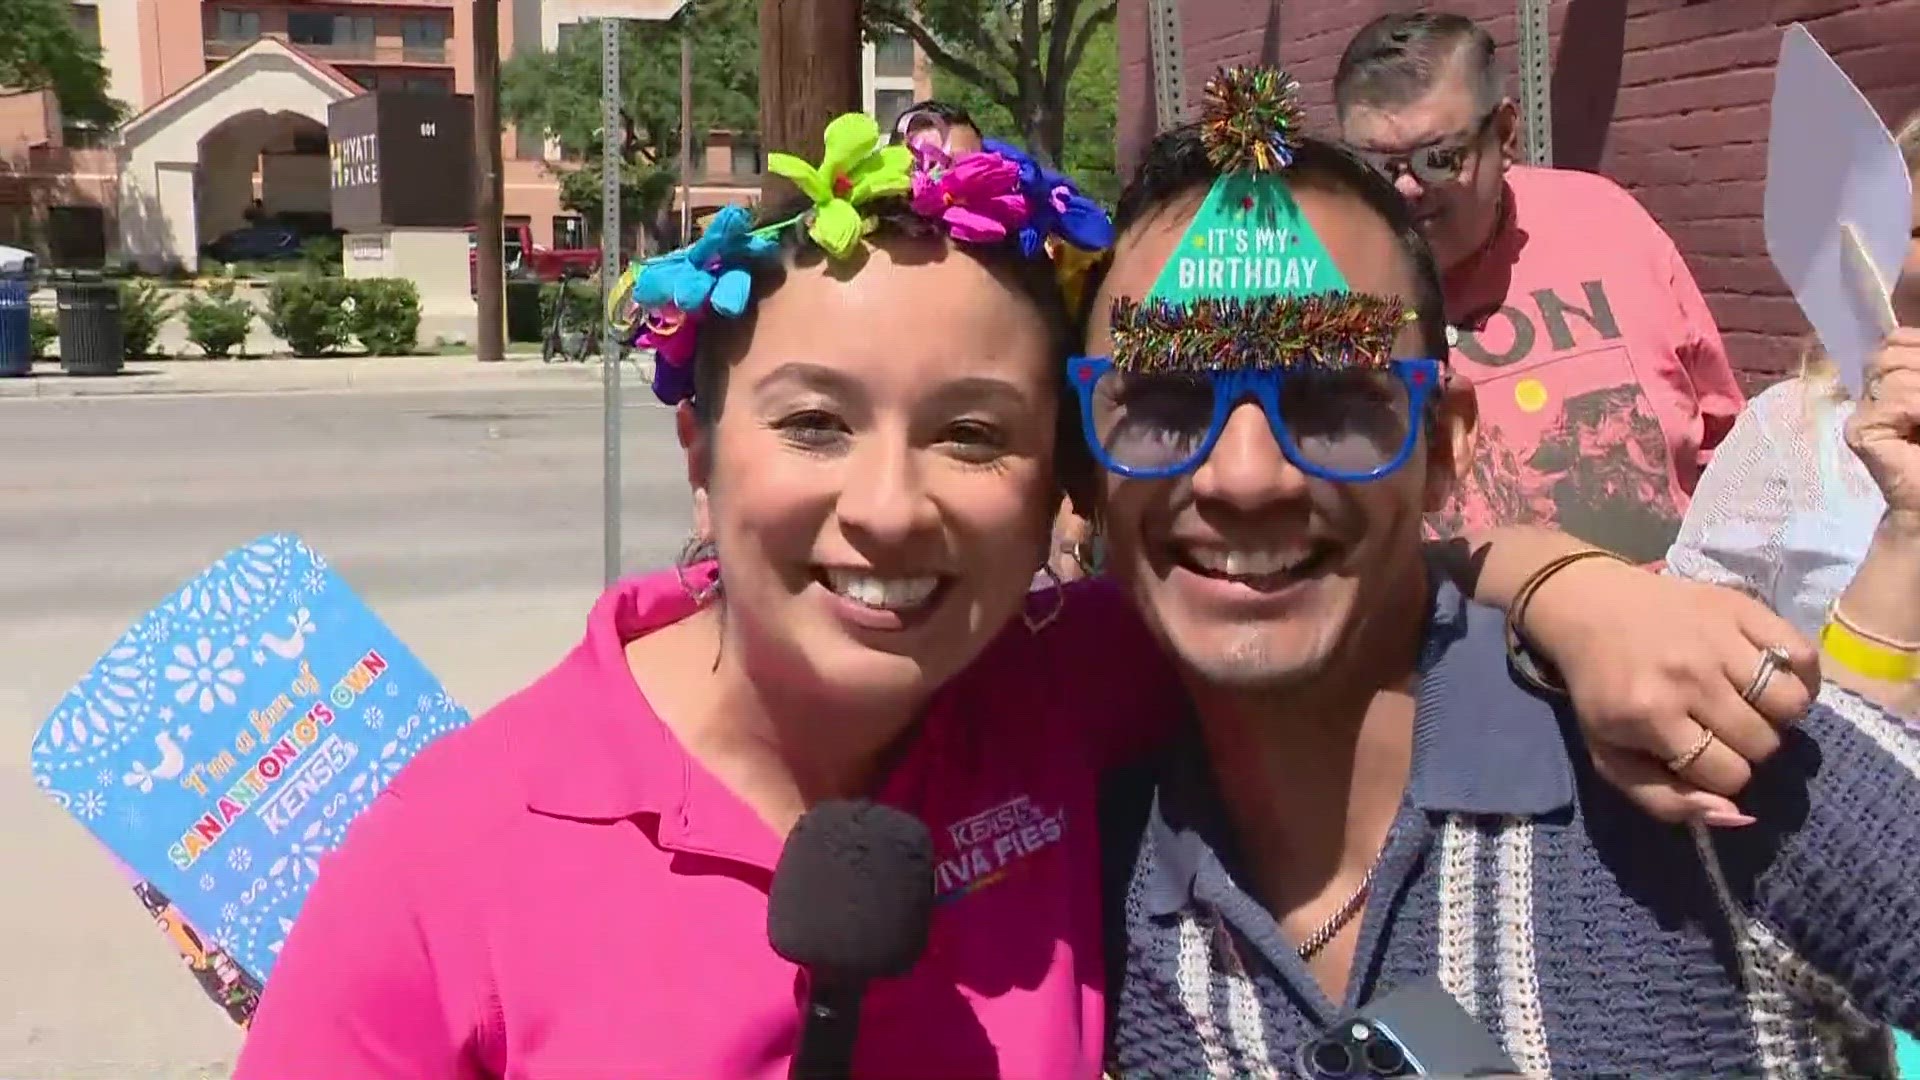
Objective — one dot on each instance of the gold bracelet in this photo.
(1533, 670)
(1834, 614)
(1867, 656)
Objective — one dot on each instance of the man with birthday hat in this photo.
(1367, 795)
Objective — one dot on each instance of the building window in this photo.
(425, 84)
(368, 80)
(236, 26)
(889, 104)
(893, 57)
(86, 19)
(746, 157)
(570, 32)
(423, 38)
(569, 231)
(332, 35)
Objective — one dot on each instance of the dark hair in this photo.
(1396, 59)
(723, 341)
(1177, 163)
(953, 115)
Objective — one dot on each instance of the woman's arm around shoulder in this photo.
(356, 991)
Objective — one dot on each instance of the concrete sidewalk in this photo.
(330, 374)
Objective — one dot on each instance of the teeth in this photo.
(889, 594)
(1236, 563)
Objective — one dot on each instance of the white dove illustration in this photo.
(172, 761)
(290, 647)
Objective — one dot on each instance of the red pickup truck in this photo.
(528, 261)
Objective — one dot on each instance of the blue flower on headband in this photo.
(1058, 207)
(711, 270)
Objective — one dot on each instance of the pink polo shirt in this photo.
(559, 892)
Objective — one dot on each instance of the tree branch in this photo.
(1059, 32)
(942, 57)
(1003, 55)
(1085, 34)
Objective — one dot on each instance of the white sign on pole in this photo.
(1839, 204)
(644, 10)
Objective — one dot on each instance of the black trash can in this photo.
(90, 340)
(16, 327)
(524, 317)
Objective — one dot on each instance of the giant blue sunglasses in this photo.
(1347, 425)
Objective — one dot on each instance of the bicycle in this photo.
(569, 337)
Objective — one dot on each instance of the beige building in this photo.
(228, 102)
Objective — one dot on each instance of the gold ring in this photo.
(1685, 761)
(1772, 658)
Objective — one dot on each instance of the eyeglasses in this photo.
(1347, 425)
(1434, 164)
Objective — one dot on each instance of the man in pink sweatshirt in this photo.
(1603, 385)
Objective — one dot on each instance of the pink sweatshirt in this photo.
(560, 892)
(1602, 382)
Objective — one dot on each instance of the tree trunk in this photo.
(809, 74)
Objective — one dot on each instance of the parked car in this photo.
(526, 260)
(17, 262)
(265, 242)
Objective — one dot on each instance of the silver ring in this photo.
(1772, 658)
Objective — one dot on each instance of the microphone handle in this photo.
(828, 1031)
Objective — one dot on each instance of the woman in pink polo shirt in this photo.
(575, 885)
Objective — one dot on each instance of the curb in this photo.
(296, 377)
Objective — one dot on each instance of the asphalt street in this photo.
(469, 520)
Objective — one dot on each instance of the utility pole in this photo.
(809, 74)
(489, 273)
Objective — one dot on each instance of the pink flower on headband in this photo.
(977, 196)
(671, 334)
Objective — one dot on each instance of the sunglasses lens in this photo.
(1349, 422)
(1151, 422)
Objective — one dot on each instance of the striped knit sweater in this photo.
(1591, 940)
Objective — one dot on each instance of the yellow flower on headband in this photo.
(855, 170)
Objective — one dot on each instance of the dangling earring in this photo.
(697, 550)
(1034, 625)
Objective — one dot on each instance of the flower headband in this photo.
(1250, 284)
(997, 196)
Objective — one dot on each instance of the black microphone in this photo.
(851, 901)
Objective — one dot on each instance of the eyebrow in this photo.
(810, 376)
(972, 390)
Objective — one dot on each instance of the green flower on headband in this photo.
(855, 171)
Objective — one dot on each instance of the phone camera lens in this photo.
(1383, 1056)
(1331, 1059)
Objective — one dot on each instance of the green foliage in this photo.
(217, 320)
(143, 311)
(310, 313)
(386, 315)
(321, 255)
(583, 303)
(41, 49)
(1088, 150)
(318, 315)
(42, 328)
(558, 92)
(1021, 55)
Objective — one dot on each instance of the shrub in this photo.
(386, 315)
(583, 304)
(321, 255)
(217, 320)
(143, 311)
(312, 314)
(42, 328)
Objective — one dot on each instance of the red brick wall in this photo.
(1668, 97)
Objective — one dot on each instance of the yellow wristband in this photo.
(1865, 657)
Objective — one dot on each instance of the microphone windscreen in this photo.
(853, 892)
